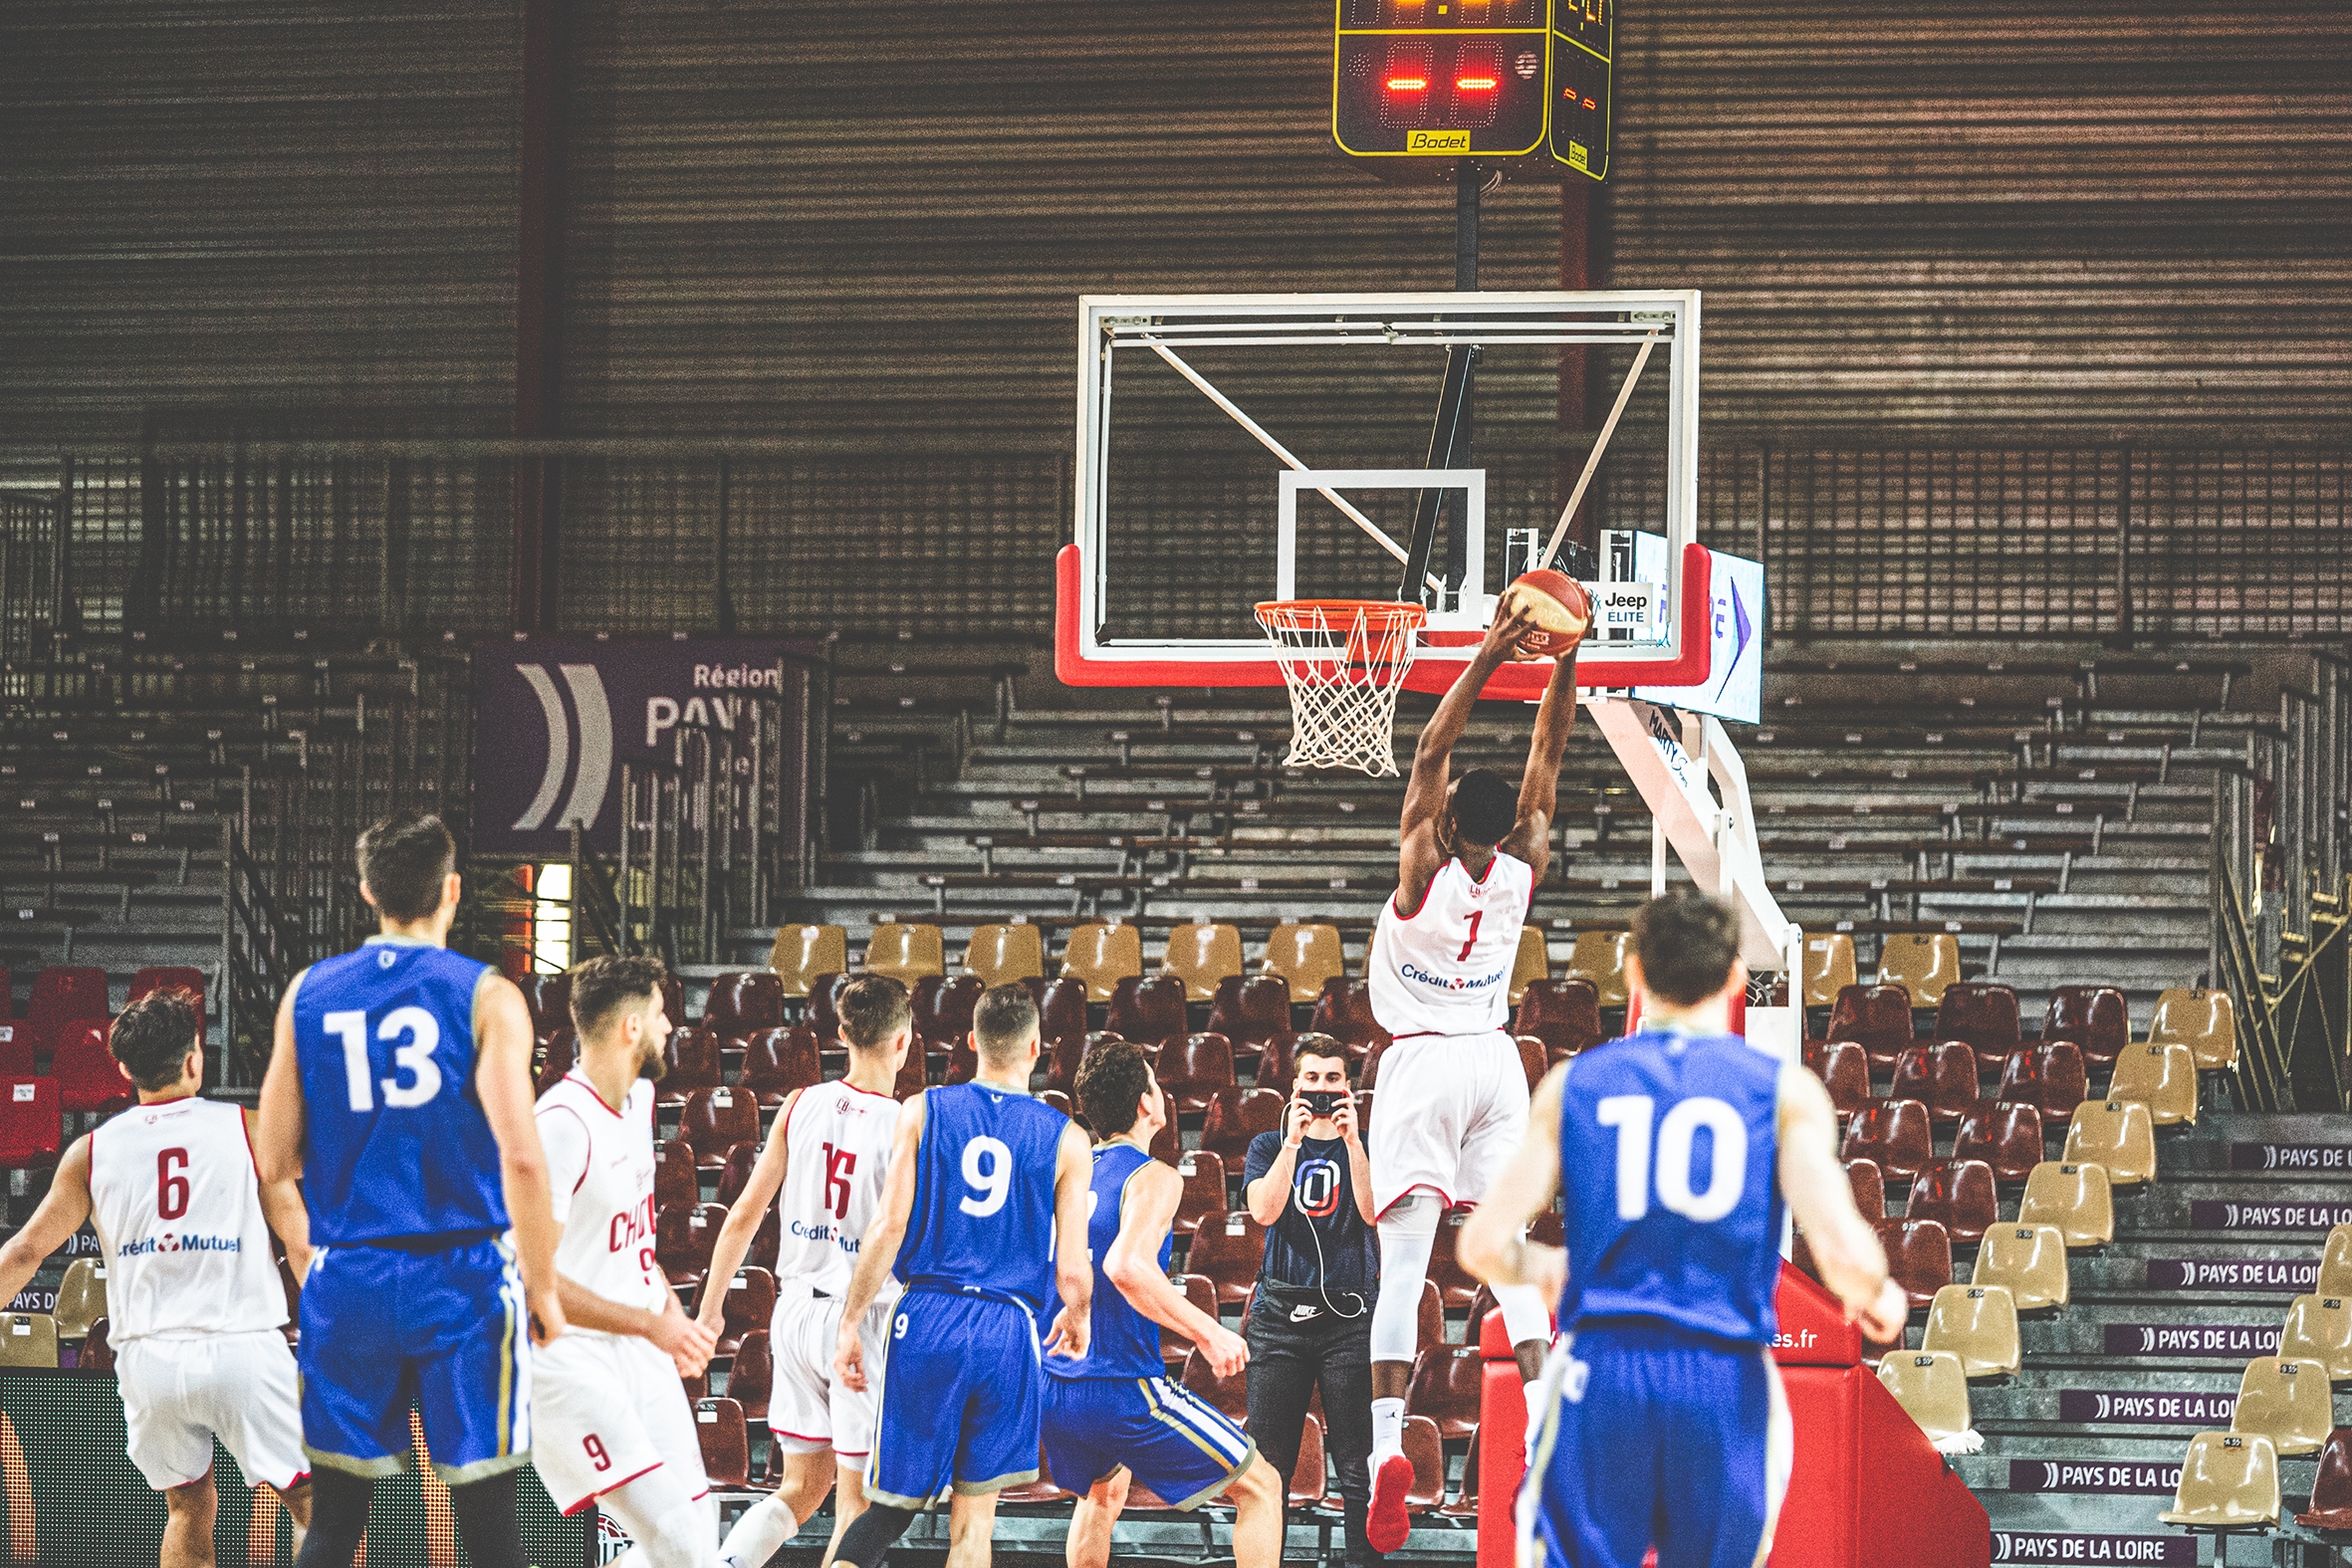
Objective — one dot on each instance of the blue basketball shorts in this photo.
(960, 1399)
(1170, 1440)
(446, 1332)
(1656, 1436)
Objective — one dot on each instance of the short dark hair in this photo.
(604, 985)
(872, 1009)
(1686, 943)
(404, 860)
(1112, 1081)
(1317, 1044)
(1006, 1017)
(1486, 808)
(154, 1034)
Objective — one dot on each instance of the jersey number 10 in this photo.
(1726, 1177)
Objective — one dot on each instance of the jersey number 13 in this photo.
(418, 1032)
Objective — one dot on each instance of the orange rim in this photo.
(1303, 614)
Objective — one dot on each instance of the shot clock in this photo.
(1418, 85)
(1583, 44)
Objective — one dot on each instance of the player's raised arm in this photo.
(1074, 1269)
(1844, 1247)
(53, 1223)
(1538, 786)
(877, 1251)
(276, 1142)
(1493, 1243)
(502, 1082)
(1418, 852)
(743, 1215)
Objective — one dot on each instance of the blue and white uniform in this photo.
(960, 1387)
(414, 1295)
(1667, 1424)
(1116, 1405)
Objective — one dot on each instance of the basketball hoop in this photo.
(1344, 660)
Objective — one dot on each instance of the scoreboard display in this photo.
(1419, 83)
(1581, 47)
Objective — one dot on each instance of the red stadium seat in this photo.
(734, 1172)
(549, 997)
(1277, 1064)
(1870, 1188)
(31, 1126)
(673, 998)
(1193, 1067)
(1465, 1503)
(97, 1348)
(819, 1012)
(1960, 1194)
(1201, 1291)
(765, 1240)
(1895, 1133)
(62, 995)
(2095, 1017)
(753, 1376)
(1345, 1011)
(1149, 1008)
(557, 1051)
(725, 1444)
(694, 1063)
(1063, 1059)
(1059, 1102)
(1235, 1117)
(675, 1184)
(683, 1239)
(1877, 1018)
(1203, 1171)
(2048, 1076)
(1062, 1012)
(1258, 1011)
(1845, 1071)
(89, 1078)
(178, 977)
(1445, 1387)
(749, 1305)
(1943, 1077)
(1431, 1330)
(963, 1062)
(2005, 1135)
(777, 1061)
(1983, 1012)
(2331, 1493)
(915, 1072)
(1167, 1145)
(1563, 1014)
(1533, 1059)
(1311, 1475)
(1919, 1257)
(943, 1010)
(716, 1120)
(1456, 1285)
(1229, 1395)
(1424, 1446)
(16, 1049)
(1228, 1252)
(744, 1003)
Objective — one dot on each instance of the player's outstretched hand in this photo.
(1226, 1351)
(1069, 1335)
(849, 1358)
(1508, 630)
(687, 1341)
(547, 1314)
(1883, 1318)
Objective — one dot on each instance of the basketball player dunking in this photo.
(1453, 1094)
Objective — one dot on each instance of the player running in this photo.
(982, 1241)
(1112, 1416)
(614, 1427)
(193, 1303)
(828, 1155)
(1662, 1421)
(399, 1091)
(1452, 1095)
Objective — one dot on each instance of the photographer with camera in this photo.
(1311, 1186)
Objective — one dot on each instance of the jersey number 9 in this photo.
(1727, 1178)
(988, 1170)
(418, 1032)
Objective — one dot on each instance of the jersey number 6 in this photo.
(1727, 1178)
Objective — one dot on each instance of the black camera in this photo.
(1320, 1102)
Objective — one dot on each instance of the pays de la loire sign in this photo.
(2231, 1341)
(2286, 1275)
(2216, 1214)
(2092, 1407)
(2029, 1546)
(2290, 1157)
(2097, 1478)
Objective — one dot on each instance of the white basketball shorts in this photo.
(807, 1411)
(604, 1410)
(1447, 1113)
(179, 1394)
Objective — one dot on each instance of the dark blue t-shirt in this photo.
(1320, 1238)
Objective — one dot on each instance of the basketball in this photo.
(1559, 606)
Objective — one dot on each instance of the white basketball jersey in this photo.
(178, 1205)
(1444, 968)
(600, 1162)
(836, 1153)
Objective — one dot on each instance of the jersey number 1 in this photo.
(1470, 941)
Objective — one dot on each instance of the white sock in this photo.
(762, 1531)
(1388, 1427)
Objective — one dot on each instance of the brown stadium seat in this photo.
(1345, 1011)
(1201, 956)
(1877, 1018)
(753, 1376)
(1251, 1013)
(80, 1297)
(1958, 1192)
(1277, 1064)
(1455, 1285)
(1895, 1133)
(1002, 955)
(2095, 1017)
(1228, 1395)
(905, 953)
(675, 1184)
(764, 1241)
(1311, 1476)
(2116, 1134)
(778, 1061)
(1531, 961)
(1059, 1102)
(1305, 956)
(821, 1013)
(2003, 1134)
(963, 1062)
(1932, 1390)
(2160, 1076)
(1100, 957)
(1533, 1059)
(683, 1239)
(1870, 1188)
(1828, 968)
(2074, 1198)
(1919, 1258)
(2228, 1481)
(1922, 963)
(725, 1444)
(1167, 1145)
(750, 1303)
(28, 1339)
(1464, 1502)
(1424, 1446)
(1942, 1076)
(2285, 1401)
(2331, 1493)
(1563, 1014)
(1228, 1250)
(914, 1073)
(1445, 1387)
(946, 1018)
(2048, 1076)
(2320, 1328)
(555, 1051)
(2031, 1259)
(1192, 1069)
(1063, 1014)
(87, 1077)
(1979, 1324)
(549, 997)
(693, 1062)
(1983, 1012)
(1599, 957)
(1235, 1116)
(1204, 1189)
(1063, 1059)
(2204, 1020)
(1148, 1010)
(801, 953)
(1431, 1330)
(1845, 1070)
(97, 1348)
(716, 1120)
(742, 1004)
(1201, 1291)
(735, 1173)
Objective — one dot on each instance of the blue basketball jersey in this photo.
(1667, 1156)
(1122, 1342)
(396, 1144)
(983, 1221)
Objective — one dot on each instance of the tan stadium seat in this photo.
(1979, 1324)
(1103, 955)
(905, 953)
(2228, 1481)
(2285, 1401)
(80, 1297)
(1533, 963)
(2074, 1198)
(1829, 967)
(1933, 1391)
(28, 1339)
(2161, 1078)
(2335, 1263)
(2204, 1020)
(2031, 1259)
(1305, 956)
(1922, 963)
(801, 953)
(2117, 1134)
(1000, 954)
(1201, 956)
(1599, 955)
(2320, 1328)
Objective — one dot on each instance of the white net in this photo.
(1344, 661)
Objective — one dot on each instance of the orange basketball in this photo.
(1560, 607)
